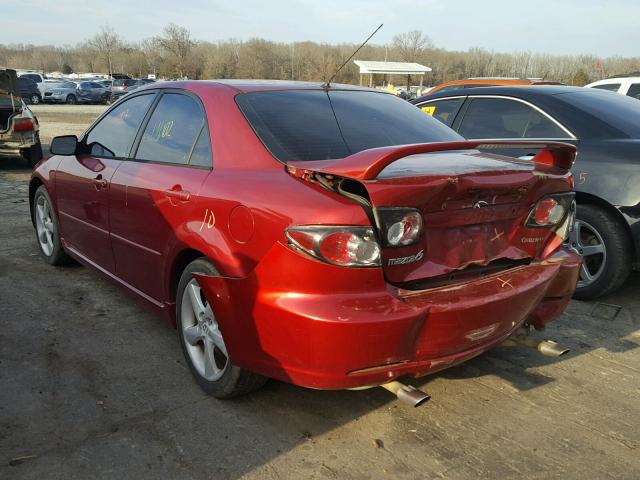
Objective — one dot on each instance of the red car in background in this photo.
(332, 237)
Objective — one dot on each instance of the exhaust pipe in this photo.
(548, 348)
(407, 393)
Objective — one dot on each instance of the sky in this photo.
(603, 28)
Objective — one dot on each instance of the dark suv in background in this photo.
(29, 90)
(606, 130)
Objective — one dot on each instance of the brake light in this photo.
(400, 226)
(556, 211)
(22, 125)
(548, 212)
(338, 245)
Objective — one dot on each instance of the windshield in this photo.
(318, 125)
(619, 111)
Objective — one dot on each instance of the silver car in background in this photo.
(61, 91)
(76, 92)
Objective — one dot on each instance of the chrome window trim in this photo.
(504, 97)
(440, 99)
(535, 107)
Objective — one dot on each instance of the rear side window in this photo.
(318, 125)
(172, 131)
(201, 155)
(443, 110)
(634, 91)
(614, 87)
(504, 118)
(113, 135)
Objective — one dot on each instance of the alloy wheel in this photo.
(202, 337)
(44, 225)
(587, 242)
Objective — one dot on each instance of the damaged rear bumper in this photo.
(12, 144)
(328, 327)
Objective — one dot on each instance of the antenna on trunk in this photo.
(327, 84)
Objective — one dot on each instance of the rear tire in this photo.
(33, 154)
(597, 230)
(47, 230)
(71, 100)
(202, 342)
(35, 99)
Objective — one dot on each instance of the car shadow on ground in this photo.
(585, 326)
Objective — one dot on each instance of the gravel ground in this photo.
(64, 119)
(95, 387)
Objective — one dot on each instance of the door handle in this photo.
(100, 182)
(177, 193)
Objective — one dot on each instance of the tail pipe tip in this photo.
(551, 349)
(407, 393)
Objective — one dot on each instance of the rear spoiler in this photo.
(367, 164)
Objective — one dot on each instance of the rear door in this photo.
(152, 194)
(82, 181)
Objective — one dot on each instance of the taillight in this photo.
(550, 211)
(339, 245)
(558, 212)
(400, 226)
(22, 125)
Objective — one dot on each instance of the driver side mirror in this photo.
(64, 145)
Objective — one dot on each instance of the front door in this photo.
(83, 181)
(152, 195)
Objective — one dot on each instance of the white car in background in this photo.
(629, 86)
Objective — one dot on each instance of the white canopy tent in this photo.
(390, 68)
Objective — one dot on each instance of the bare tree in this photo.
(107, 42)
(410, 45)
(176, 41)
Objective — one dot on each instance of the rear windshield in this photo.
(318, 125)
(619, 111)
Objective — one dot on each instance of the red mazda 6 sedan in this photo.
(332, 237)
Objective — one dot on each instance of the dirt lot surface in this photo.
(64, 119)
(92, 386)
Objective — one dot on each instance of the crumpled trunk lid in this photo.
(474, 206)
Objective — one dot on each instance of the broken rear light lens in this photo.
(555, 211)
(550, 210)
(340, 245)
(400, 226)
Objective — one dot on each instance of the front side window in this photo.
(443, 110)
(613, 87)
(504, 118)
(113, 135)
(172, 131)
(318, 125)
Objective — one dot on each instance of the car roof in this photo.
(521, 91)
(245, 86)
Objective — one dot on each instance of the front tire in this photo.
(71, 100)
(605, 246)
(202, 341)
(34, 99)
(47, 231)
